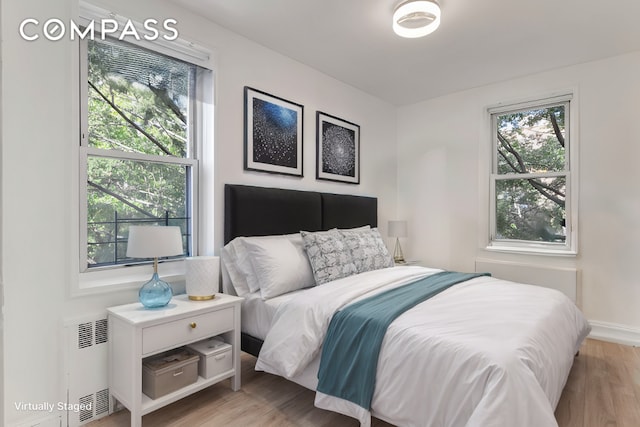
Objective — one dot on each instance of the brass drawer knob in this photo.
(193, 325)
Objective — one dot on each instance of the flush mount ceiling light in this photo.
(416, 18)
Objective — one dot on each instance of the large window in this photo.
(531, 177)
(139, 145)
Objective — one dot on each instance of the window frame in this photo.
(569, 247)
(116, 278)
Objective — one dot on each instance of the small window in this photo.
(139, 146)
(531, 177)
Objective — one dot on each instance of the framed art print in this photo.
(337, 149)
(272, 133)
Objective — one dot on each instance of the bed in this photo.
(479, 352)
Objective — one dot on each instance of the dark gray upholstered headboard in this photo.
(261, 211)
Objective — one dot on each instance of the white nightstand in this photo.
(411, 262)
(136, 333)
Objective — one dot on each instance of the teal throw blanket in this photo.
(351, 347)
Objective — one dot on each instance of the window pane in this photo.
(531, 141)
(125, 192)
(531, 209)
(138, 100)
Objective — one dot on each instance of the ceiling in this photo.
(479, 41)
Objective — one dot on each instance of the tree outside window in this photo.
(139, 150)
(531, 176)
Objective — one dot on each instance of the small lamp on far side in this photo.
(154, 242)
(398, 229)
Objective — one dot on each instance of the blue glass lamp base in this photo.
(155, 293)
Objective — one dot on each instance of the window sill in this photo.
(532, 250)
(108, 280)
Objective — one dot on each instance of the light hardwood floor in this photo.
(603, 390)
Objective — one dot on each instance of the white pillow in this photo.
(236, 270)
(279, 264)
(238, 264)
(227, 286)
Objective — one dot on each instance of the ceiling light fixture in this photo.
(416, 18)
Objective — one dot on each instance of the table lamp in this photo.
(398, 229)
(154, 242)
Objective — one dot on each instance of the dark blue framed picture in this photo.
(272, 133)
(337, 149)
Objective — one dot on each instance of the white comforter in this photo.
(486, 352)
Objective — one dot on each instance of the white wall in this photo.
(444, 160)
(38, 187)
(1, 281)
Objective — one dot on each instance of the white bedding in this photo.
(483, 353)
(257, 314)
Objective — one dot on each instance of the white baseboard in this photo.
(48, 421)
(614, 333)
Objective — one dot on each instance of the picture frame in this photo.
(337, 149)
(273, 133)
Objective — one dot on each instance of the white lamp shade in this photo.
(202, 276)
(397, 228)
(154, 241)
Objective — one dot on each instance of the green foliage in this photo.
(528, 142)
(523, 213)
(531, 142)
(138, 103)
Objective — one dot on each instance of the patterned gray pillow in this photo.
(329, 257)
(367, 248)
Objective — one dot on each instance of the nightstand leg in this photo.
(235, 382)
(136, 419)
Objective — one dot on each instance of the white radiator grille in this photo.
(86, 369)
(563, 279)
(102, 402)
(85, 335)
(85, 413)
(102, 331)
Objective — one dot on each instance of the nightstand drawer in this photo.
(178, 332)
